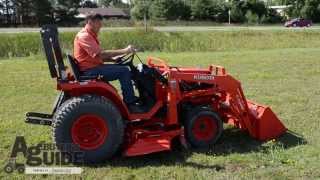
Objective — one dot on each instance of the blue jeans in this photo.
(111, 72)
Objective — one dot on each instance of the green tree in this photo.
(141, 8)
(238, 11)
(244, 11)
(158, 10)
(200, 9)
(257, 7)
(113, 3)
(65, 12)
(105, 3)
(8, 11)
(276, 2)
(219, 11)
(309, 9)
(271, 17)
(178, 9)
(295, 9)
(44, 11)
(89, 4)
(252, 18)
(23, 11)
(169, 10)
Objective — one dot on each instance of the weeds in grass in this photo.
(24, 44)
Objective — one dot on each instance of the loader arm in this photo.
(258, 120)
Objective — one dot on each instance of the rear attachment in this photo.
(42, 118)
(39, 118)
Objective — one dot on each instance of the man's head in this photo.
(94, 21)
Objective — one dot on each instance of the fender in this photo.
(95, 87)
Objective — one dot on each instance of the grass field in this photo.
(26, 44)
(286, 79)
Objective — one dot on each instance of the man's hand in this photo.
(130, 49)
(108, 55)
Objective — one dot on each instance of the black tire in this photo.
(76, 107)
(21, 169)
(8, 168)
(214, 132)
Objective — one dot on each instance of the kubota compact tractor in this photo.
(190, 104)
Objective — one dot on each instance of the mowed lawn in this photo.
(286, 79)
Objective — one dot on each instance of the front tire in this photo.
(21, 169)
(203, 127)
(90, 122)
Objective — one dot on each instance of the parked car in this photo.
(298, 22)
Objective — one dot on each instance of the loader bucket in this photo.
(266, 124)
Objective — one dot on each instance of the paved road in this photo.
(170, 28)
(231, 28)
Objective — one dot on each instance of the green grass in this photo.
(25, 44)
(285, 79)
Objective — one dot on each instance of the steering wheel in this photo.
(125, 59)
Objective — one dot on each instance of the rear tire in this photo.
(203, 127)
(8, 168)
(90, 122)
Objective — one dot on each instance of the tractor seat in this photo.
(76, 70)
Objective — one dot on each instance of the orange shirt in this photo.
(86, 49)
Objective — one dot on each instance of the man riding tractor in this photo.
(179, 103)
(91, 57)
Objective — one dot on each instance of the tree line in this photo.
(38, 12)
(63, 12)
(240, 11)
(29, 12)
(213, 10)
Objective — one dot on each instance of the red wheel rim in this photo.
(204, 128)
(89, 131)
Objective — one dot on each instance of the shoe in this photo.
(136, 100)
(133, 108)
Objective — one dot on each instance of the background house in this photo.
(107, 13)
(281, 9)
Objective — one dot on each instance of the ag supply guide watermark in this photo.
(44, 158)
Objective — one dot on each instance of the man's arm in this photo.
(94, 50)
(107, 55)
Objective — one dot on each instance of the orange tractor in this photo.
(190, 104)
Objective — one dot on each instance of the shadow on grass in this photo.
(172, 158)
(236, 141)
(232, 141)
